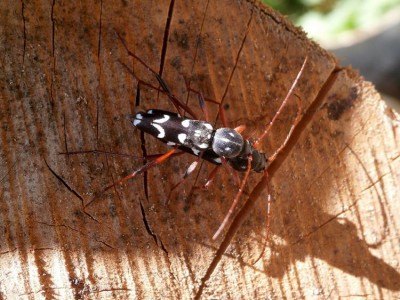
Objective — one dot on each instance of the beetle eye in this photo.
(227, 142)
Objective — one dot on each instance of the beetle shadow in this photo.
(302, 222)
(337, 243)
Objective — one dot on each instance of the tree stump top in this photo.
(67, 86)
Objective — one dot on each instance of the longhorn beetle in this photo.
(202, 140)
(199, 137)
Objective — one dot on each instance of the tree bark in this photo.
(67, 86)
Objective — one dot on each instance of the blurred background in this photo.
(362, 33)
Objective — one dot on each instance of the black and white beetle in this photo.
(200, 138)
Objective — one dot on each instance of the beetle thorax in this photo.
(227, 142)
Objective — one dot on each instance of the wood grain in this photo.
(64, 87)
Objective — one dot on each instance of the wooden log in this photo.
(65, 87)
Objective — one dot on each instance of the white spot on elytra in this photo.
(192, 167)
(197, 133)
(185, 123)
(171, 144)
(162, 120)
(182, 137)
(196, 151)
(218, 160)
(136, 122)
(231, 134)
(209, 136)
(203, 146)
(227, 148)
(150, 111)
(139, 116)
(209, 126)
(160, 129)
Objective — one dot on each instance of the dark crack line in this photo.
(163, 248)
(395, 158)
(65, 136)
(100, 29)
(24, 22)
(166, 36)
(97, 118)
(59, 225)
(59, 178)
(375, 182)
(110, 290)
(75, 193)
(100, 70)
(9, 251)
(105, 244)
(156, 239)
(53, 25)
(142, 146)
(53, 28)
(145, 174)
(355, 295)
(76, 230)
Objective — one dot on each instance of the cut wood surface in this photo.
(66, 86)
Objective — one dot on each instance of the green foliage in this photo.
(330, 17)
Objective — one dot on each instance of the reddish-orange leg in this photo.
(138, 171)
(153, 159)
(235, 201)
